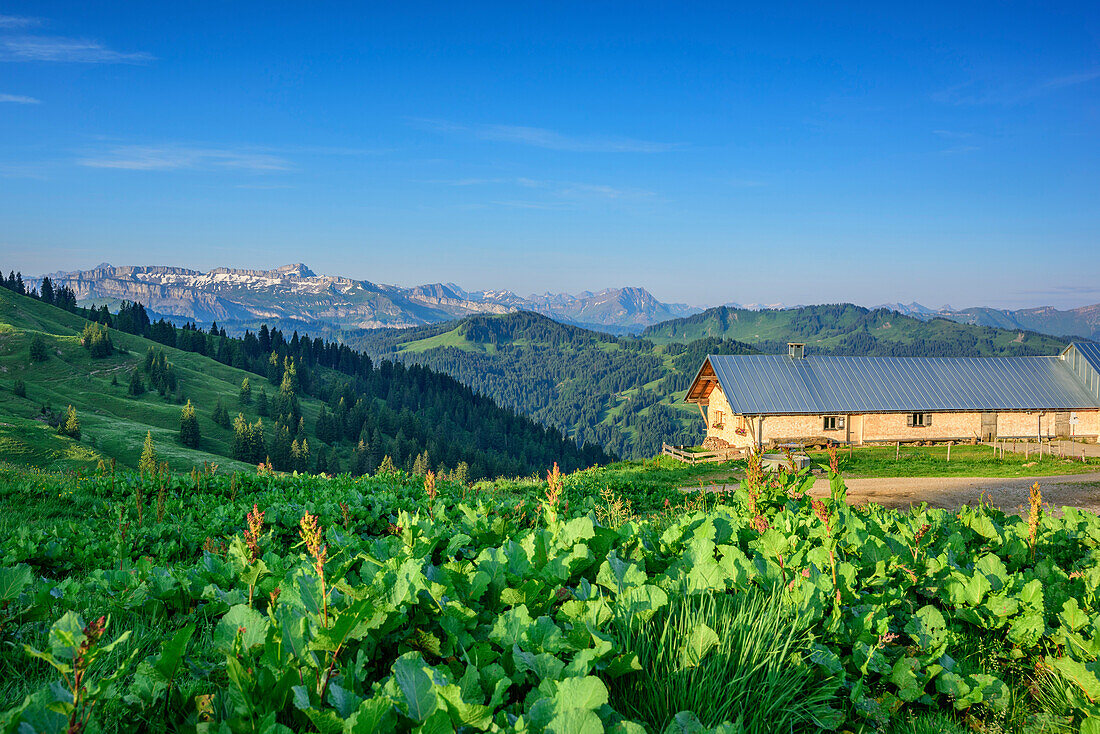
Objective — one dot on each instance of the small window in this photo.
(833, 423)
(717, 423)
(919, 420)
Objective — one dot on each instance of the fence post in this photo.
(948, 452)
(897, 451)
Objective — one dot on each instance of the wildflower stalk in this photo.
(313, 537)
(82, 710)
(252, 537)
(431, 492)
(1035, 500)
(822, 513)
(553, 494)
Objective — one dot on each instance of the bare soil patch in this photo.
(1009, 494)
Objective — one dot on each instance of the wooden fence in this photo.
(701, 457)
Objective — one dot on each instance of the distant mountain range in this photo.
(1080, 322)
(294, 295)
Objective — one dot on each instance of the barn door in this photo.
(1061, 425)
(989, 426)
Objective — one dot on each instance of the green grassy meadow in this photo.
(113, 423)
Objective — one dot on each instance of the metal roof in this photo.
(772, 384)
(1090, 351)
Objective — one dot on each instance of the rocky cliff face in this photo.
(294, 293)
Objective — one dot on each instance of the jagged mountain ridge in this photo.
(1075, 322)
(295, 294)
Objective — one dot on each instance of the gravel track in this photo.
(1010, 494)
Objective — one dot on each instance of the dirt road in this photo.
(1074, 490)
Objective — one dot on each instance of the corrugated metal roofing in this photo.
(767, 384)
(1091, 353)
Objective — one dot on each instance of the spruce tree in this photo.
(20, 389)
(39, 352)
(46, 294)
(361, 459)
(245, 396)
(189, 426)
(71, 425)
(97, 340)
(137, 387)
(221, 415)
(148, 463)
(256, 441)
(261, 404)
(386, 467)
(420, 465)
(242, 440)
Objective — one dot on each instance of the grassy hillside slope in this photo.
(113, 423)
(848, 329)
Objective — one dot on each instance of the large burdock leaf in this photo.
(927, 628)
(414, 679)
(697, 644)
(565, 710)
(13, 580)
(642, 601)
(575, 721)
(252, 624)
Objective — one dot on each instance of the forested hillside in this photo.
(626, 393)
(303, 404)
(623, 393)
(853, 330)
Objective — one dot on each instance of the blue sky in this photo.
(708, 152)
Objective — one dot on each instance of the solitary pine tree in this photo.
(221, 415)
(71, 425)
(137, 386)
(189, 426)
(148, 462)
(261, 403)
(245, 396)
(39, 353)
(20, 389)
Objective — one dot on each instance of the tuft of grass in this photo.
(742, 659)
(927, 724)
(1060, 702)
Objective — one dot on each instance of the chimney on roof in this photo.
(796, 350)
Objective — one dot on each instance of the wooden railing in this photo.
(683, 454)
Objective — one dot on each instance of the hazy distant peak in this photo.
(297, 269)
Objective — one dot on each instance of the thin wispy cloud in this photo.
(66, 50)
(542, 205)
(952, 134)
(1071, 80)
(981, 92)
(178, 158)
(18, 21)
(1063, 290)
(550, 139)
(562, 190)
(19, 99)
